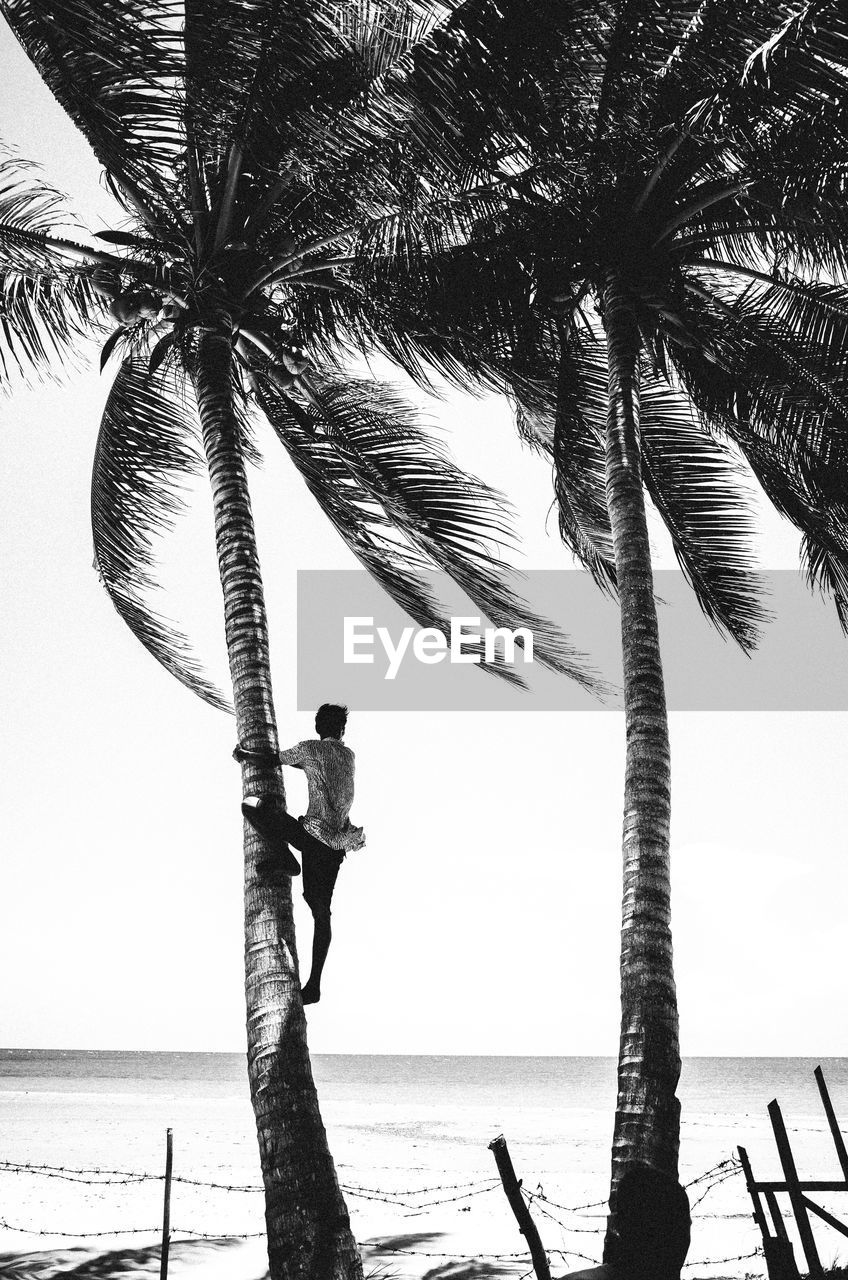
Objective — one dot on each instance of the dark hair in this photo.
(330, 720)
(652, 1224)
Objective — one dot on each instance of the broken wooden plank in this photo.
(518, 1204)
(796, 1196)
(838, 1140)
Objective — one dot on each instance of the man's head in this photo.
(330, 720)
(652, 1224)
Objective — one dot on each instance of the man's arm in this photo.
(294, 755)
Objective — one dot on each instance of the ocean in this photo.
(410, 1138)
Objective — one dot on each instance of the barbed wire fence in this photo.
(580, 1219)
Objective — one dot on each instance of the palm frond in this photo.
(826, 567)
(815, 501)
(461, 309)
(41, 323)
(26, 200)
(503, 78)
(807, 315)
(453, 518)
(538, 433)
(114, 67)
(303, 90)
(46, 306)
(696, 485)
(712, 52)
(637, 50)
(578, 452)
(406, 574)
(789, 385)
(30, 212)
(801, 66)
(144, 452)
(795, 442)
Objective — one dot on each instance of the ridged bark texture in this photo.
(647, 1118)
(309, 1236)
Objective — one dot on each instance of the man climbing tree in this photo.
(324, 835)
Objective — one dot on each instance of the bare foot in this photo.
(310, 994)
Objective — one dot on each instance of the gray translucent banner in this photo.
(344, 619)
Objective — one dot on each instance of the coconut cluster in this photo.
(292, 363)
(129, 306)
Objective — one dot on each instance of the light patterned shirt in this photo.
(329, 768)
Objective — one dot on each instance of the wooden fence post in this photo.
(166, 1211)
(759, 1214)
(796, 1195)
(777, 1249)
(518, 1204)
(838, 1140)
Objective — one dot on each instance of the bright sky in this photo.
(483, 915)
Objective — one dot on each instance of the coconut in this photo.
(125, 308)
(148, 304)
(294, 360)
(137, 304)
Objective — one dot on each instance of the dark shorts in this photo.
(319, 878)
(320, 863)
(294, 832)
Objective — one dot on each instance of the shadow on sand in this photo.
(381, 1262)
(87, 1264)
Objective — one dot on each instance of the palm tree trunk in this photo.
(307, 1222)
(647, 1118)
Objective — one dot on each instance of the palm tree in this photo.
(649, 292)
(247, 143)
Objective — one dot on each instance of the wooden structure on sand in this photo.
(777, 1247)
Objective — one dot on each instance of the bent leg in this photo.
(319, 881)
(265, 815)
(271, 819)
(297, 835)
(321, 938)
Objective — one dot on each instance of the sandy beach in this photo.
(414, 1162)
